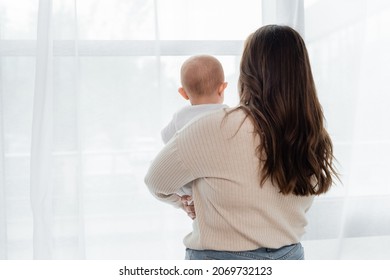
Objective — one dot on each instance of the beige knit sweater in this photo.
(233, 212)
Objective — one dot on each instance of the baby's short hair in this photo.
(201, 75)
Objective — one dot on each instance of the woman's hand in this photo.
(188, 206)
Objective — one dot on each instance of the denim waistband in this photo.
(289, 252)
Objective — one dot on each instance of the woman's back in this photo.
(233, 212)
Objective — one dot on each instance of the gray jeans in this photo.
(290, 252)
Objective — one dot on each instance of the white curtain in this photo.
(86, 86)
(283, 12)
(44, 156)
(348, 44)
(41, 161)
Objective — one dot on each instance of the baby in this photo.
(203, 84)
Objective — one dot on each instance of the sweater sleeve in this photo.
(167, 174)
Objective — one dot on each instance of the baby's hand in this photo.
(188, 206)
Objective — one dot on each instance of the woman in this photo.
(255, 168)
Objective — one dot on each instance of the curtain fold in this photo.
(80, 252)
(3, 200)
(41, 162)
(284, 12)
(48, 241)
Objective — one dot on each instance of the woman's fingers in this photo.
(188, 206)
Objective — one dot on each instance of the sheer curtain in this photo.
(348, 43)
(86, 86)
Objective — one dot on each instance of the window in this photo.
(115, 77)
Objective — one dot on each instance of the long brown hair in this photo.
(277, 92)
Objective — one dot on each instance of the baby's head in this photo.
(203, 80)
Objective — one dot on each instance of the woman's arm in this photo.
(167, 174)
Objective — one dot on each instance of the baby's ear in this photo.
(222, 87)
(183, 93)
